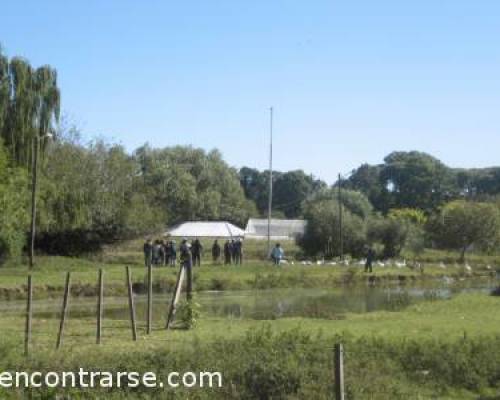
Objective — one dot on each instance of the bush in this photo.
(14, 217)
(388, 232)
(465, 224)
(188, 314)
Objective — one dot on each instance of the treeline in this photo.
(290, 190)
(96, 192)
(410, 202)
(418, 180)
(458, 225)
(91, 193)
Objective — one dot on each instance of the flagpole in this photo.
(270, 201)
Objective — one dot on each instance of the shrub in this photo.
(188, 314)
(13, 209)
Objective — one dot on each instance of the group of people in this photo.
(160, 252)
(233, 252)
(164, 253)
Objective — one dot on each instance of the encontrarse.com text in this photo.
(93, 379)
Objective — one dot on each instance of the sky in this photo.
(349, 81)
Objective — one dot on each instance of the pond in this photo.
(272, 303)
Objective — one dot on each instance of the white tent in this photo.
(220, 229)
(281, 229)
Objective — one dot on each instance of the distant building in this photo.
(212, 229)
(281, 229)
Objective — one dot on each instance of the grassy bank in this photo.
(447, 349)
(49, 275)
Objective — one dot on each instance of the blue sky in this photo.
(350, 81)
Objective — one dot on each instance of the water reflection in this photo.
(271, 304)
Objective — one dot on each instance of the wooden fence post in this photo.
(150, 299)
(131, 304)
(176, 295)
(189, 275)
(29, 316)
(100, 306)
(64, 309)
(339, 371)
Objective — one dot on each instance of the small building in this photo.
(211, 229)
(281, 229)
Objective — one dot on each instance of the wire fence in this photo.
(345, 379)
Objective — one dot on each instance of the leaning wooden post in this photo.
(189, 288)
(176, 295)
(29, 316)
(150, 299)
(64, 309)
(131, 304)
(339, 372)
(100, 306)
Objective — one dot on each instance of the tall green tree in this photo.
(462, 225)
(352, 200)
(322, 234)
(13, 208)
(20, 128)
(4, 90)
(47, 99)
(29, 106)
(191, 184)
(290, 191)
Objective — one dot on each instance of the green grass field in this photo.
(256, 273)
(443, 339)
(49, 275)
(445, 349)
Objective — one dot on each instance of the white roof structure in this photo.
(281, 229)
(220, 229)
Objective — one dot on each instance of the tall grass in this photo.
(288, 365)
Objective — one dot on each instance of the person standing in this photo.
(277, 254)
(148, 252)
(232, 247)
(227, 253)
(173, 253)
(186, 260)
(162, 252)
(168, 252)
(216, 252)
(238, 251)
(156, 252)
(196, 250)
(370, 256)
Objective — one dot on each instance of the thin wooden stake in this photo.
(176, 295)
(189, 289)
(100, 306)
(29, 316)
(131, 304)
(64, 309)
(150, 299)
(339, 372)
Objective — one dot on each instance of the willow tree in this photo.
(47, 100)
(47, 109)
(29, 104)
(4, 89)
(20, 129)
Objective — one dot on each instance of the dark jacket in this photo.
(216, 250)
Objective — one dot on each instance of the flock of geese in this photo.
(389, 263)
(347, 263)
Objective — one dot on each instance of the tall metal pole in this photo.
(270, 202)
(341, 235)
(36, 145)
